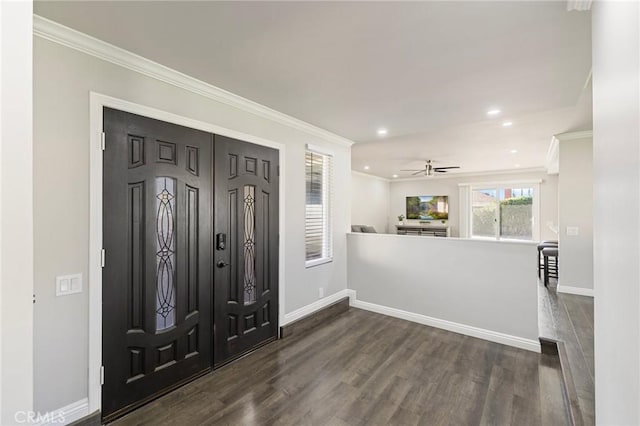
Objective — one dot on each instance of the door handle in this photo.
(221, 264)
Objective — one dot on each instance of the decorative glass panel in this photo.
(249, 244)
(165, 253)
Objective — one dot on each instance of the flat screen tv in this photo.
(428, 207)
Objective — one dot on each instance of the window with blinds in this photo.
(319, 177)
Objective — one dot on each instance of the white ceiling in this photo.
(427, 71)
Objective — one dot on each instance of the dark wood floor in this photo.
(368, 369)
(569, 318)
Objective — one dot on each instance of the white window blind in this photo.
(319, 178)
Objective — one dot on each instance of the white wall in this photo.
(16, 213)
(575, 202)
(616, 172)
(486, 285)
(370, 201)
(449, 186)
(63, 78)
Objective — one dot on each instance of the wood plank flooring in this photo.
(364, 368)
(569, 318)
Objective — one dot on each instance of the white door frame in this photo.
(97, 102)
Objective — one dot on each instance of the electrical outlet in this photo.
(320, 293)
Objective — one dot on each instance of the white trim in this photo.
(2, 102)
(320, 150)
(464, 210)
(472, 174)
(574, 135)
(553, 157)
(317, 262)
(553, 153)
(370, 176)
(73, 39)
(317, 305)
(537, 219)
(467, 330)
(502, 183)
(94, 285)
(96, 104)
(65, 415)
(580, 291)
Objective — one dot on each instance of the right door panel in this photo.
(245, 247)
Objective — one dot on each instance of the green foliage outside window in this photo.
(515, 218)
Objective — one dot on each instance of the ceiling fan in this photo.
(430, 170)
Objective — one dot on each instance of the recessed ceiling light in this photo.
(507, 124)
(382, 132)
(514, 151)
(493, 112)
(366, 167)
(517, 165)
(395, 176)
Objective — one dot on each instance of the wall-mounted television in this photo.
(428, 207)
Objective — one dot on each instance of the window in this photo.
(505, 212)
(318, 176)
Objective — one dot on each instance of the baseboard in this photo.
(65, 415)
(317, 305)
(320, 317)
(481, 333)
(580, 291)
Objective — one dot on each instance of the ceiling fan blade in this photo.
(417, 173)
(450, 167)
(440, 171)
(412, 170)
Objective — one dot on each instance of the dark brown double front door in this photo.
(190, 233)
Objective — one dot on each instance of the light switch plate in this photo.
(573, 230)
(68, 284)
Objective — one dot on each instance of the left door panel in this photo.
(157, 278)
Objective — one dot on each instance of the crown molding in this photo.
(553, 153)
(370, 176)
(574, 135)
(57, 33)
(579, 5)
(553, 156)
